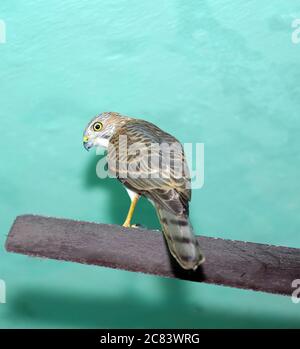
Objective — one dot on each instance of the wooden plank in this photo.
(230, 263)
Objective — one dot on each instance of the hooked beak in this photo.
(87, 143)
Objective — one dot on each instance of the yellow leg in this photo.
(131, 210)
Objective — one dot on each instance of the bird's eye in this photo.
(97, 126)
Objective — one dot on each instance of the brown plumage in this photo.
(130, 144)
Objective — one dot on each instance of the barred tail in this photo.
(181, 240)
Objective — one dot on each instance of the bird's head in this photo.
(101, 128)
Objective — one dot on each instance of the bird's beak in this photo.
(87, 143)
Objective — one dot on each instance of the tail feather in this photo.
(180, 238)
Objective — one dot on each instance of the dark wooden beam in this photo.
(230, 263)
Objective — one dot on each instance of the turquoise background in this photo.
(225, 73)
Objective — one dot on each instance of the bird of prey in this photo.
(153, 177)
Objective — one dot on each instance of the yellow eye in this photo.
(97, 126)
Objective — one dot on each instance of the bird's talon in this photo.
(127, 225)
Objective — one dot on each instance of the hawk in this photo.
(150, 163)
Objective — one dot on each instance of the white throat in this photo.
(102, 142)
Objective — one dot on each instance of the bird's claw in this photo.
(127, 225)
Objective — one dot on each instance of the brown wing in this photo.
(138, 155)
